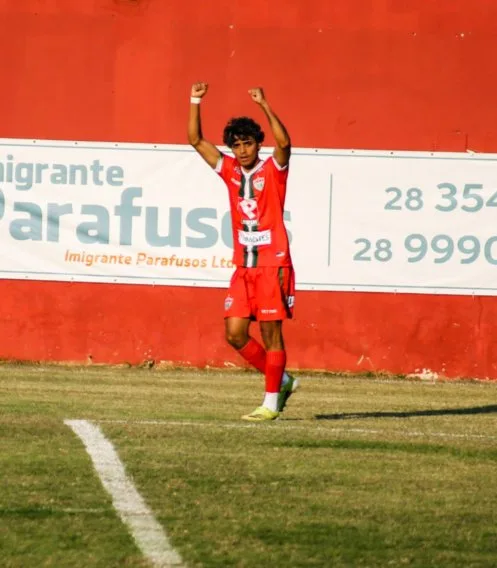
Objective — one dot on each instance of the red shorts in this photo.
(265, 293)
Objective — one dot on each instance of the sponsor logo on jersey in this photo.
(254, 238)
(249, 207)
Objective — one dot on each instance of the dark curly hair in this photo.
(242, 128)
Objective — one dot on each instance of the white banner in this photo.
(150, 214)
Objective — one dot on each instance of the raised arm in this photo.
(283, 144)
(208, 151)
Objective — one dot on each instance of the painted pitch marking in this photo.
(147, 532)
(281, 424)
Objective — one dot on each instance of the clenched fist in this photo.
(199, 89)
(257, 95)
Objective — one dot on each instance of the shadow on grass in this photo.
(410, 413)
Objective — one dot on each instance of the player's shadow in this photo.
(410, 413)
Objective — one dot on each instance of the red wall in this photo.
(382, 74)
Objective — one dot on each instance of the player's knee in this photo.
(272, 337)
(236, 339)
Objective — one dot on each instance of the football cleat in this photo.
(261, 414)
(286, 392)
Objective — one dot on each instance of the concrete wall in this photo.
(411, 75)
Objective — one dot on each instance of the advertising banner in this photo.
(415, 222)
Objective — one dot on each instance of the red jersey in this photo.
(257, 200)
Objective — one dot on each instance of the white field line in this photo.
(147, 532)
(279, 424)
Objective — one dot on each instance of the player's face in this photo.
(246, 151)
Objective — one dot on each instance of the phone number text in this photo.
(438, 249)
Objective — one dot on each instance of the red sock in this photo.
(255, 354)
(275, 366)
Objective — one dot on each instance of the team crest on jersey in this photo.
(259, 183)
(228, 302)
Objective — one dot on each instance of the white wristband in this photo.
(195, 100)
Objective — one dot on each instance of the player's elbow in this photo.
(194, 140)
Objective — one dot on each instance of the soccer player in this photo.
(262, 287)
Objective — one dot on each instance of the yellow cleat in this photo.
(261, 414)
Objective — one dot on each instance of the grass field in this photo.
(357, 472)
